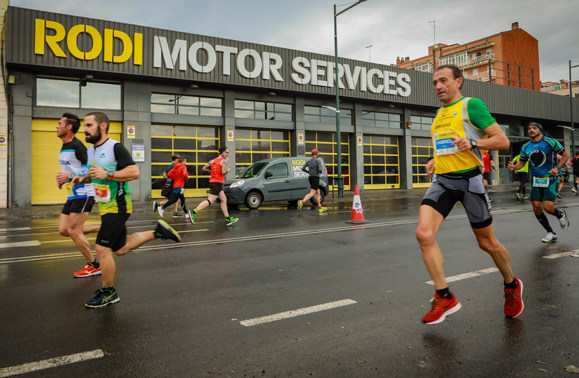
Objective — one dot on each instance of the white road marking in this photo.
(68, 240)
(468, 275)
(51, 363)
(30, 243)
(562, 254)
(14, 229)
(298, 312)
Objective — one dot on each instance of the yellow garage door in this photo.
(45, 149)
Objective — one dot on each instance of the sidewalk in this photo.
(53, 211)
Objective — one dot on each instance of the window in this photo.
(180, 104)
(421, 151)
(278, 171)
(376, 119)
(326, 116)
(253, 145)
(424, 67)
(421, 123)
(263, 110)
(198, 144)
(326, 143)
(381, 162)
(73, 94)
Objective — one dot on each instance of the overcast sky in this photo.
(392, 28)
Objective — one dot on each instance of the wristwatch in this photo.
(110, 174)
(473, 143)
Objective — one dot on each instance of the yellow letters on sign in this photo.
(130, 47)
(40, 37)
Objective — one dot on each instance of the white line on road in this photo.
(30, 243)
(298, 312)
(14, 229)
(562, 254)
(468, 275)
(51, 362)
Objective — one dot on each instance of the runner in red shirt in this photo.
(218, 168)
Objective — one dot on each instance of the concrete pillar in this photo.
(300, 128)
(229, 127)
(357, 158)
(137, 113)
(405, 151)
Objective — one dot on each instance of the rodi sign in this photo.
(100, 43)
(203, 57)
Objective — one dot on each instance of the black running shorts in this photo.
(113, 232)
(447, 190)
(215, 188)
(78, 205)
(314, 182)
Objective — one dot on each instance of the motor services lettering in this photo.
(182, 56)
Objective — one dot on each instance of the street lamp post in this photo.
(571, 109)
(338, 132)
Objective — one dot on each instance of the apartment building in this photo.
(508, 58)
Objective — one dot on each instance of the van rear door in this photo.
(300, 181)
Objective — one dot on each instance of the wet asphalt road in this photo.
(184, 308)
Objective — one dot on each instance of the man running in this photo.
(218, 168)
(542, 152)
(575, 164)
(110, 169)
(80, 200)
(522, 173)
(156, 204)
(461, 127)
(179, 175)
(314, 168)
(488, 163)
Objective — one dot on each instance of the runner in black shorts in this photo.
(111, 169)
(218, 169)
(80, 199)
(461, 126)
(314, 169)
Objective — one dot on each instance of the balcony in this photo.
(478, 61)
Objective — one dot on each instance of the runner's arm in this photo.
(207, 167)
(224, 168)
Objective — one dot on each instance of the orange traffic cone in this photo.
(357, 212)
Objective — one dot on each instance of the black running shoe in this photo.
(155, 206)
(164, 231)
(104, 297)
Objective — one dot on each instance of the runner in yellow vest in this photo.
(461, 127)
(522, 175)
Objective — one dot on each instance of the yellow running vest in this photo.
(453, 121)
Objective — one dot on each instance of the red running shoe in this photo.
(87, 271)
(441, 307)
(514, 300)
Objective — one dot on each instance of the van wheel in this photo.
(322, 196)
(253, 200)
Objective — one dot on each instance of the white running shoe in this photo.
(550, 238)
(564, 221)
(161, 211)
(574, 190)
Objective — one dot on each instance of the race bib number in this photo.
(68, 188)
(541, 182)
(442, 143)
(102, 193)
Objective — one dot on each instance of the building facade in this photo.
(509, 58)
(170, 92)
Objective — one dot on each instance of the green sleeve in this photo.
(479, 114)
